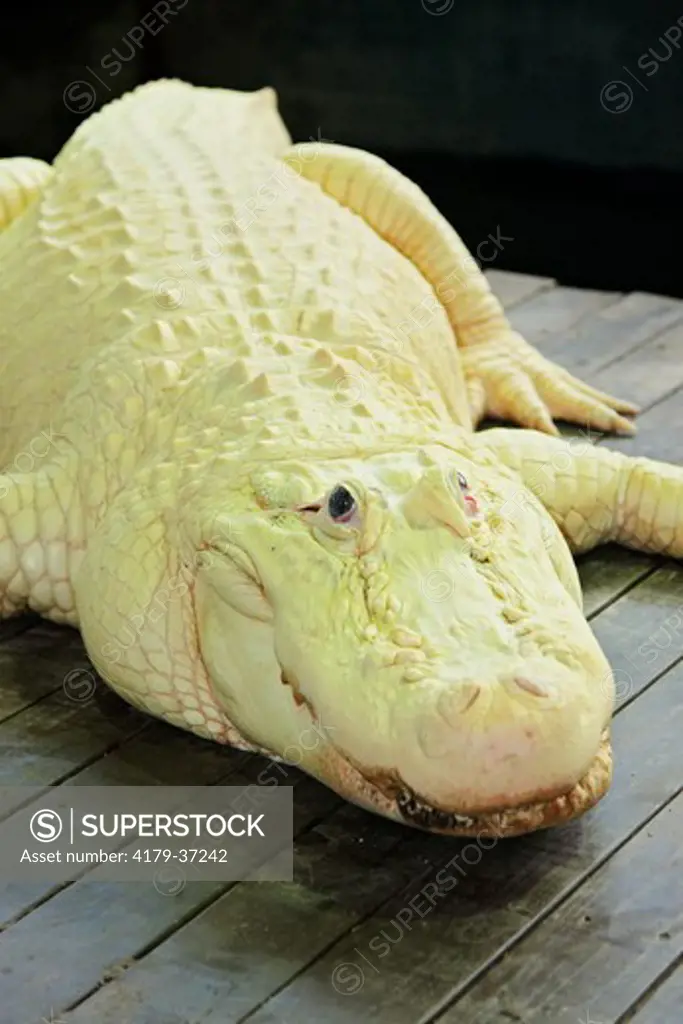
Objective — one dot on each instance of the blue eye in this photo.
(462, 481)
(341, 504)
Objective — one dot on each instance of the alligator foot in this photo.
(508, 379)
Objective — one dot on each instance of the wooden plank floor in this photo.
(571, 926)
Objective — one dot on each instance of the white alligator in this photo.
(239, 386)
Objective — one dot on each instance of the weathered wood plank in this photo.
(16, 625)
(34, 662)
(660, 431)
(601, 948)
(346, 867)
(556, 311)
(665, 1003)
(612, 333)
(493, 900)
(649, 372)
(608, 572)
(642, 632)
(512, 288)
(90, 931)
(54, 738)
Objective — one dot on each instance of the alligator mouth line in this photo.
(515, 820)
(425, 816)
(389, 796)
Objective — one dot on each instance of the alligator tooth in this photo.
(425, 816)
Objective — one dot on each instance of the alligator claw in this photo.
(510, 380)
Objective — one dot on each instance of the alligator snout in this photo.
(481, 747)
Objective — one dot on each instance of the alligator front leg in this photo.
(41, 537)
(505, 376)
(22, 180)
(596, 495)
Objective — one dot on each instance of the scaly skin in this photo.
(205, 333)
(22, 180)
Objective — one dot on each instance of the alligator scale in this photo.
(239, 385)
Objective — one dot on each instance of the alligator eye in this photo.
(341, 504)
(462, 480)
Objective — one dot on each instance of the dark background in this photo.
(503, 111)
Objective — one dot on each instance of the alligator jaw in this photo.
(386, 795)
(519, 820)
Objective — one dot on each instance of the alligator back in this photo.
(170, 204)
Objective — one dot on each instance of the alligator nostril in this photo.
(456, 701)
(531, 686)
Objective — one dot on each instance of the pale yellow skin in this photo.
(197, 344)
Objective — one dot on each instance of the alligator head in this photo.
(417, 617)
